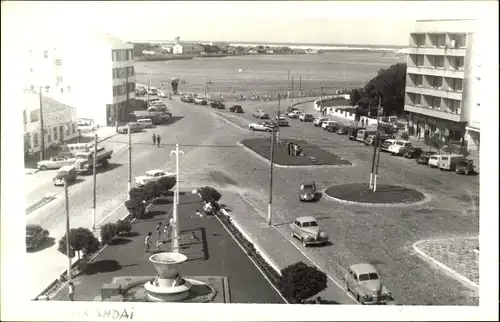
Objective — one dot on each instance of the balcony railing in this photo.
(443, 51)
(433, 112)
(423, 70)
(431, 91)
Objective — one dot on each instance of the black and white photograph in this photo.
(323, 155)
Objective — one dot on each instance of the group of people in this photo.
(167, 230)
(156, 139)
(293, 149)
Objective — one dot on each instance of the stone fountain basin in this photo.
(167, 264)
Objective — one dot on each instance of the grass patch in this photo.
(385, 194)
(313, 155)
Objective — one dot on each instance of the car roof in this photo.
(32, 227)
(154, 171)
(305, 218)
(311, 182)
(403, 141)
(363, 268)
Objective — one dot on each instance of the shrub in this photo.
(299, 282)
(79, 239)
(209, 193)
(405, 136)
(135, 207)
(165, 184)
(152, 191)
(123, 226)
(137, 193)
(108, 232)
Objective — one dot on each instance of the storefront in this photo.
(427, 126)
(473, 136)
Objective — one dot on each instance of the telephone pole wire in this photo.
(94, 157)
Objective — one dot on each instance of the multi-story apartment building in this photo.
(442, 80)
(94, 73)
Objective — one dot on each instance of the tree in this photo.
(137, 193)
(152, 191)
(108, 232)
(123, 226)
(299, 282)
(165, 184)
(175, 84)
(209, 193)
(135, 207)
(434, 142)
(355, 96)
(80, 239)
(405, 136)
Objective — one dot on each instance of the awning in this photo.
(471, 128)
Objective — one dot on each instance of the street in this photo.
(380, 236)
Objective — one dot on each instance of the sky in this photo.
(331, 22)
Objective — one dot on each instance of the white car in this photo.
(55, 163)
(282, 121)
(319, 121)
(294, 114)
(152, 175)
(162, 93)
(396, 147)
(326, 123)
(261, 126)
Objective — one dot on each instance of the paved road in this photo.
(216, 254)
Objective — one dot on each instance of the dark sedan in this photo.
(35, 236)
(424, 157)
(236, 109)
(412, 153)
(217, 104)
(342, 130)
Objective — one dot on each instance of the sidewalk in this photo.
(274, 244)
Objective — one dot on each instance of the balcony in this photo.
(434, 92)
(433, 112)
(443, 51)
(441, 72)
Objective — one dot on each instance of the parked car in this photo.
(370, 140)
(465, 167)
(306, 229)
(352, 132)
(386, 144)
(424, 157)
(153, 91)
(450, 161)
(140, 91)
(260, 114)
(35, 236)
(236, 109)
(200, 100)
(162, 93)
(134, 127)
(55, 163)
(319, 120)
(282, 121)
(434, 161)
(187, 99)
(412, 152)
(152, 176)
(68, 172)
(342, 130)
(294, 114)
(262, 126)
(307, 191)
(395, 149)
(330, 126)
(364, 282)
(306, 117)
(217, 104)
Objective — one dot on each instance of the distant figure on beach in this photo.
(158, 138)
(154, 139)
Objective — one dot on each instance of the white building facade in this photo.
(58, 122)
(442, 81)
(93, 73)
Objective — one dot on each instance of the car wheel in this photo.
(252, 129)
(304, 242)
(346, 286)
(467, 172)
(358, 298)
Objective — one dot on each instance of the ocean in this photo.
(259, 74)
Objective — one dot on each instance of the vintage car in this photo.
(262, 126)
(330, 126)
(364, 282)
(434, 161)
(342, 130)
(200, 100)
(140, 91)
(217, 104)
(282, 121)
(319, 121)
(260, 114)
(424, 157)
(55, 163)
(187, 99)
(465, 167)
(152, 176)
(306, 117)
(67, 172)
(153, 90)
(294, 114)
(134, 127)
(306, 229)
(162, 93)
(396, 147)
(35, 236)
(307, 191)
(236, 109)
(412, 152)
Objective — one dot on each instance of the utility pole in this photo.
(42, 129)
(279, 115)
(149, 85)
(116, 111)
(300, 85)
(95, 177)
(269, 210)
(321, 100)
(206, 84)
(68, 248)
(127, 94)
(175, 224)
(376, 167)
(375, 146)
(292, 85)
(129, 133)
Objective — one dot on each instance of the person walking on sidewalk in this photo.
(158, 233)
(158, 138)
(166, 231)
(71, 291)
(147, 242)
(154, 139)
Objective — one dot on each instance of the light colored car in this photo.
(134, 127)
(55, 163)
(162, 93)
(152, 176)
(434, 161)
(260, 114)
(294, 114)
(396, 147)
(200, 100)
(320, 120)
(261, 126)
(387, 143)
(282, 121)
(364, 282)
(327, 123)
(306, 229)
(306, 117)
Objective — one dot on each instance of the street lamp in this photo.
(175, 224)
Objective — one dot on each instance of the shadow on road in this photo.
(103, 266)
(49, 242)
(132, 234)
(120, 241)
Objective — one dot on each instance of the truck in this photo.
(85, 160)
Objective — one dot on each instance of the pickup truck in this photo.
(85, 160)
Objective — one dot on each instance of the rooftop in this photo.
(31, 99)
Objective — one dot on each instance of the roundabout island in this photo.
(385, 194)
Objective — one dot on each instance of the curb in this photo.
(443, 266)
(230, 122)
(426, 199)
(294, 166)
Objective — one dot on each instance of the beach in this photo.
(271, 74)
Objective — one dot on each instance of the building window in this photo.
(456, 106)
(34, 116)
(45, 54)
(114, 55)
(59, 79)
(31, 70)
(439, 62)
(35, 139)
(419, 61)
(432, 40)
(456, 63)
(62, 90)
(49, 138)
(67, 129)
(417, 80)
(435, 82)
(54, 130)
(441, 40)
(461, 41)
(74, 127)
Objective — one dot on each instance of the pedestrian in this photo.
(158, 231)
(154, 139)
(158, 138)
(318, 300)
(289, 147)
(166, 231)
(71, 290)
(198, 213)
(147, 242)
(194, 236)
